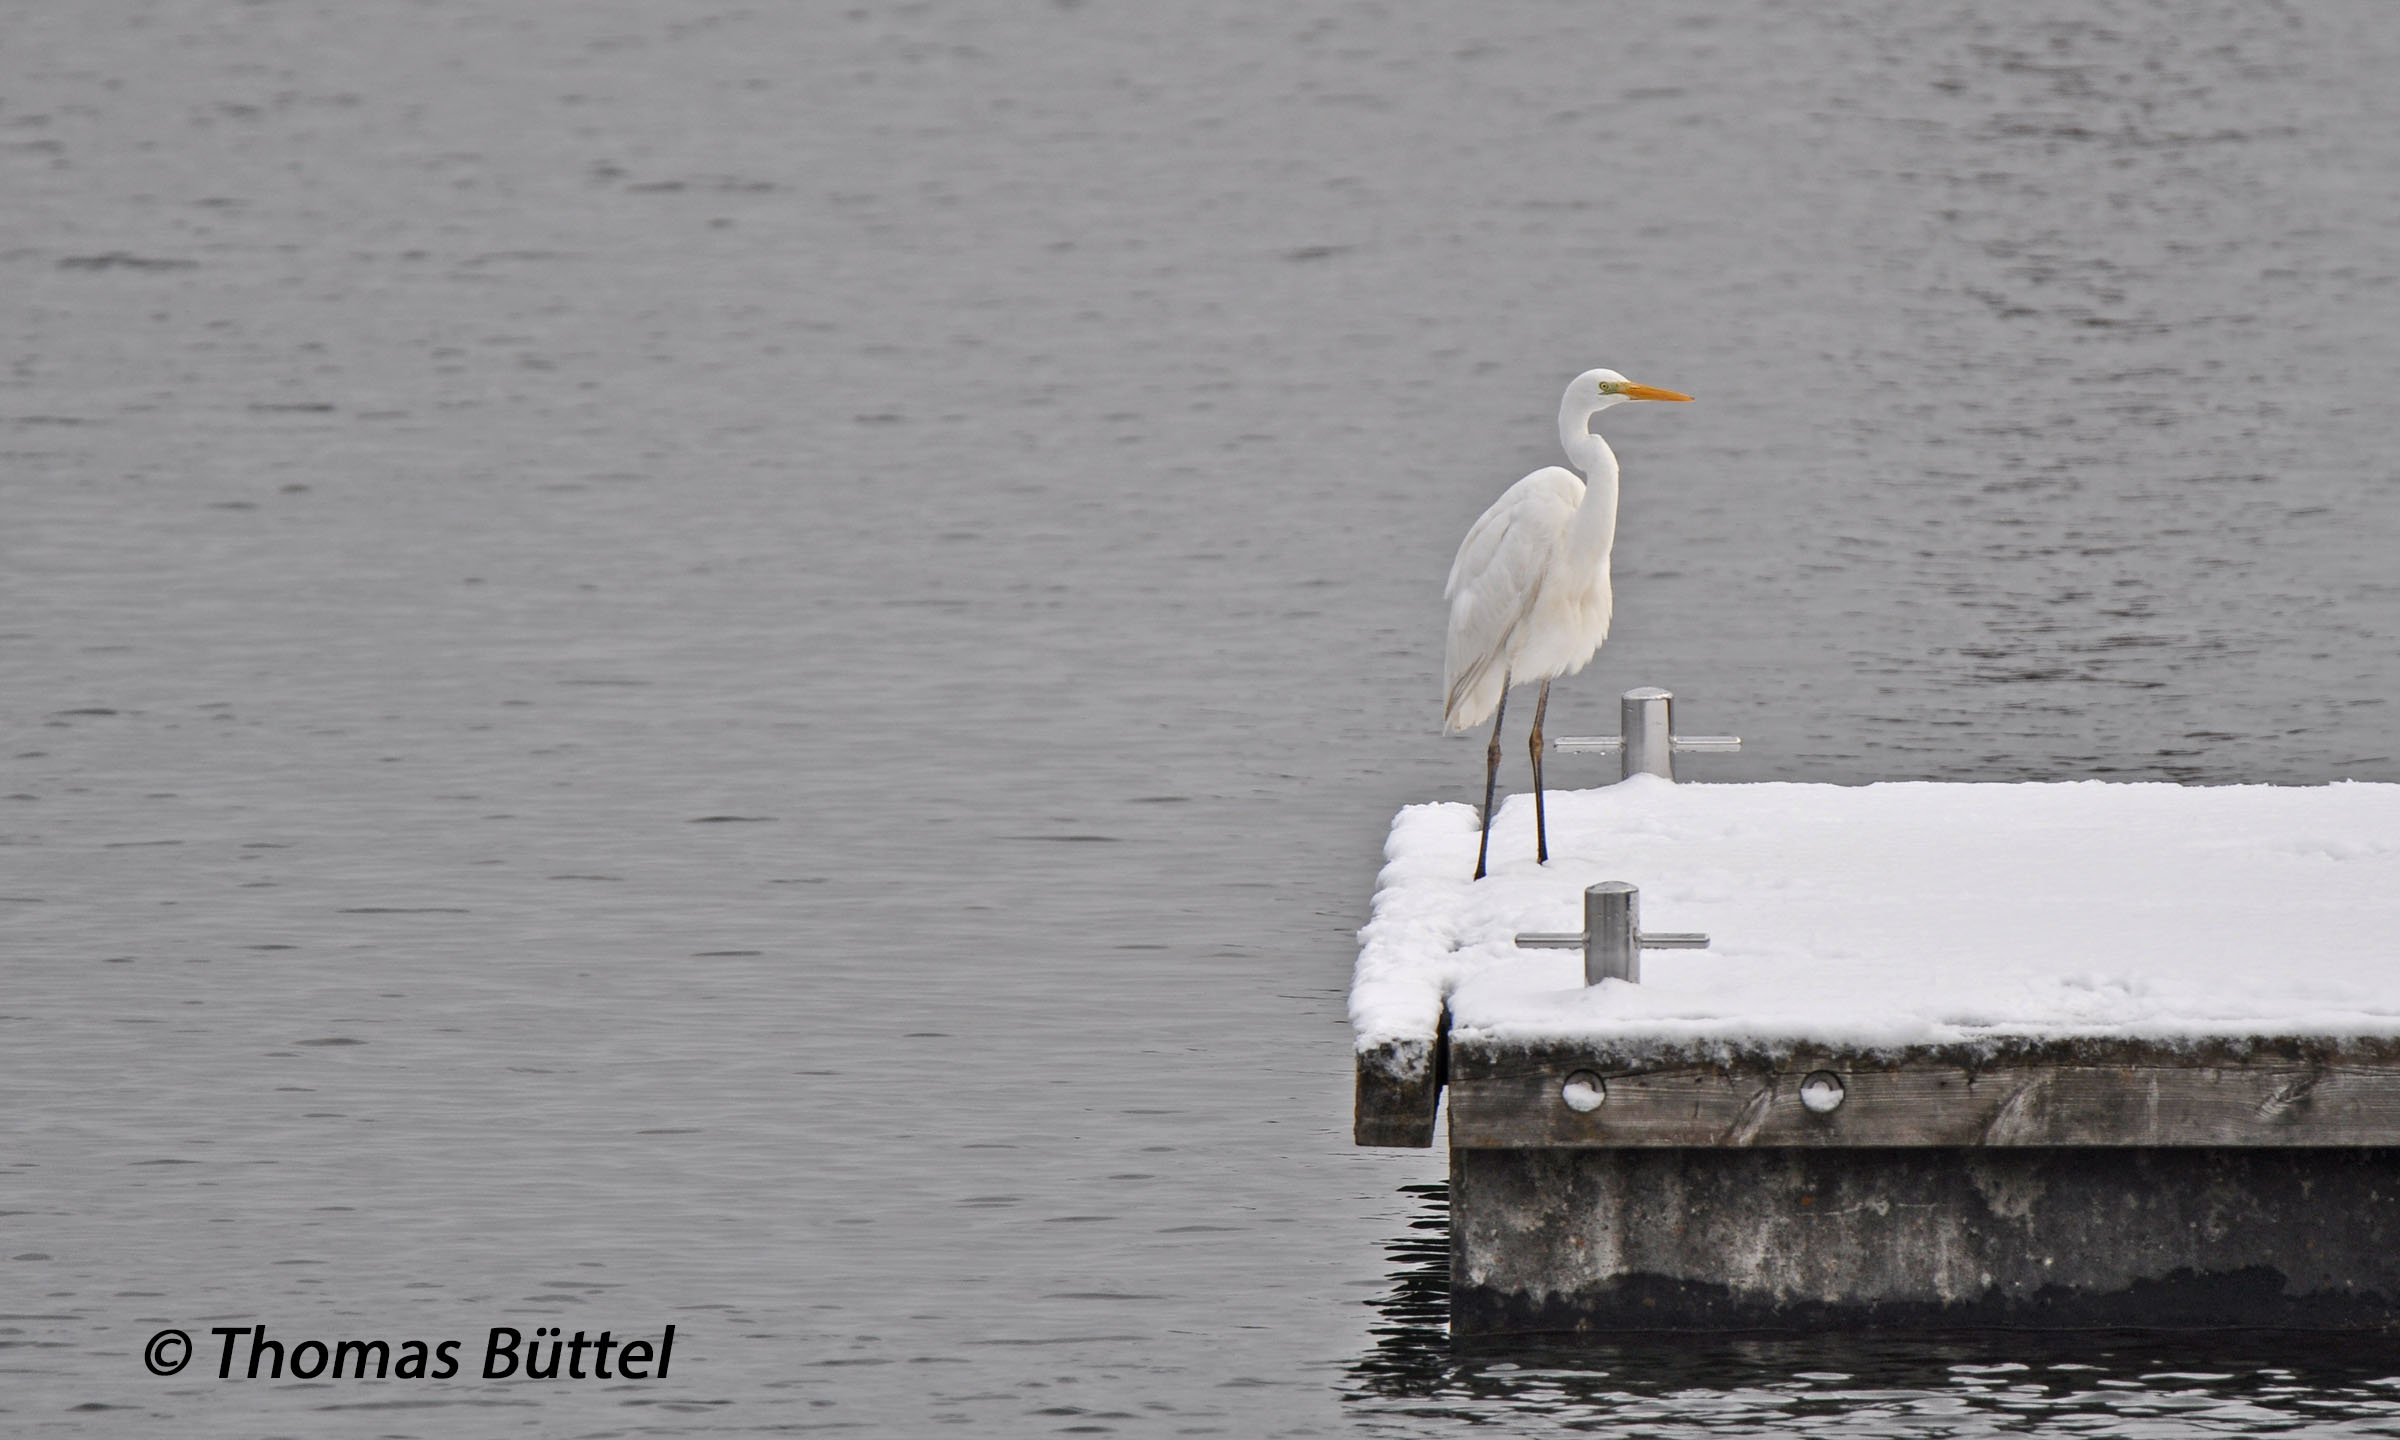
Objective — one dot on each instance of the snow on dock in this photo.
(1899, 915)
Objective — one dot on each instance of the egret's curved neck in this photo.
(1585, 451)
(1594, 528)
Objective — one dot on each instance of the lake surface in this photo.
(743, 666)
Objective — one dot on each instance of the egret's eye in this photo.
(1612, 387)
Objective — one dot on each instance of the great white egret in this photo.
(1529, 592)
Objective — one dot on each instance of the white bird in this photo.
(1528, 593)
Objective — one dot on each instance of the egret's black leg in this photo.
(1541, 827)
(1491, 774)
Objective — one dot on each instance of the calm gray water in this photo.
(743, 666)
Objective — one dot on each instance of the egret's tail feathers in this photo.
(1473, 696)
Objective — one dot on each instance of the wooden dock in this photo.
(2030, 1056)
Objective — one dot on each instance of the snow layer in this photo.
(1890, 915)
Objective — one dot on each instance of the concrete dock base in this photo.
(1559, 1241)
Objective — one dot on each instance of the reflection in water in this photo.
(2121, 1385)
(1412, 1345)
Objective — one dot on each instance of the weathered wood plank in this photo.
(1400, 1091)
(2278, 1092)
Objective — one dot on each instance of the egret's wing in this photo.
(1493, 585)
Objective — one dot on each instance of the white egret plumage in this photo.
(1529, 596)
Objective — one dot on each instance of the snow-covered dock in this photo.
(1913, 993)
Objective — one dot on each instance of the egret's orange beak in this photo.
(1649, 392)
